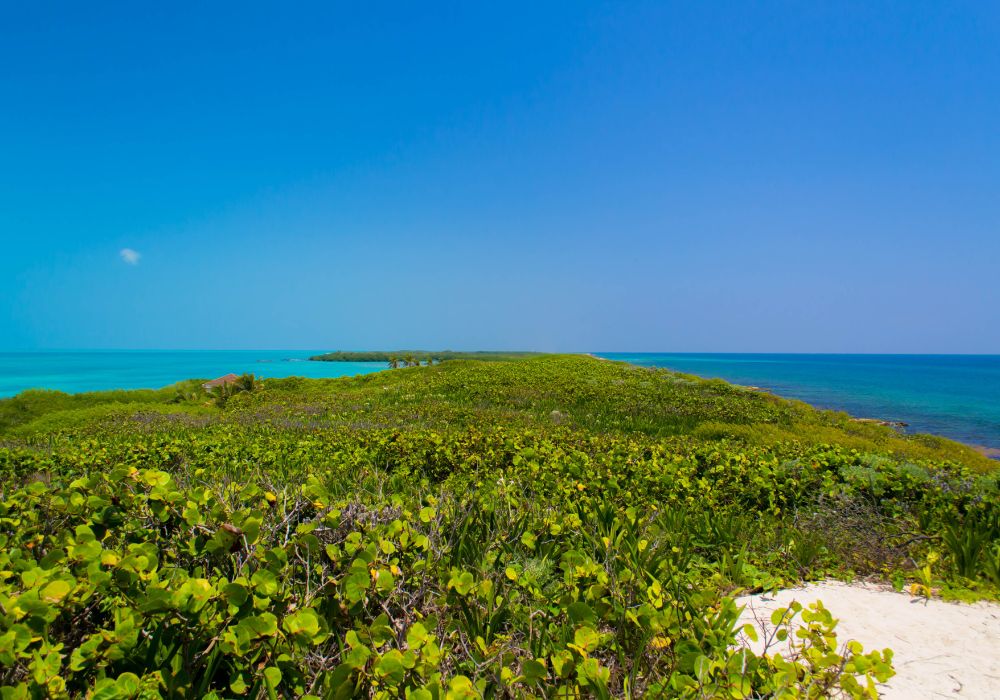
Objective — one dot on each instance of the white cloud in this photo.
(131, 257)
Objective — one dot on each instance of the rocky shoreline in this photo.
(991, 452)
(897, 424)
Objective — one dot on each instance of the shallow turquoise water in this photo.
(957, 396)
(151, 369)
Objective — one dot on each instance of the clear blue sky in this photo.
(557, 176)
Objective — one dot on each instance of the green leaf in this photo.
(586, 638)
(579, 613)
(703, 668)
(128, 684)
(235, 594)
(305, 625)
(739, 682)
(357, 657)
(462, 582)
(533, 670)
(263, 625)
(238, 685)
(592, 673)
(461, 688)
(265, 582)
(778, 616)
(55, 591)
(272, 676)
(416, 636)
(385, 581)
(356, 585)
(105, 689)
(391, 667)
(562, 663)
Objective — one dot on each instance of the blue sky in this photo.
(801, 177)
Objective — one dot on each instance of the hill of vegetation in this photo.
(556, 526)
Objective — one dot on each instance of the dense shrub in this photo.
(433, 533)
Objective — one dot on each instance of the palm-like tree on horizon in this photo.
(393, 362)
(246, 382)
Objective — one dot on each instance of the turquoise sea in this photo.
(75, 371)
(957, 396)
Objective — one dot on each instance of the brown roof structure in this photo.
(221, 381)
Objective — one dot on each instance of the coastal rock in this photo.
(991, 452)
(897, 424)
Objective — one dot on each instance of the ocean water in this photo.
(151, 369)
(957, 396)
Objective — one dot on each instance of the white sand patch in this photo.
(941, 650)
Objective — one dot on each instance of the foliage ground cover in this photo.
(558, 526)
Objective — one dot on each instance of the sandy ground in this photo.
(941, 650)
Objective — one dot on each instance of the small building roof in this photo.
(221, 381)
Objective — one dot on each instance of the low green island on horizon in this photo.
(480, 525)
(419, 355)
(411, 358)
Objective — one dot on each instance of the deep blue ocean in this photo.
(957, 396)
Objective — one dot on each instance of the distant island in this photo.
(410, 357)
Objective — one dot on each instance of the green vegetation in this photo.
(54, 410)
(411, 358)
(243, 384)
(558, 526)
